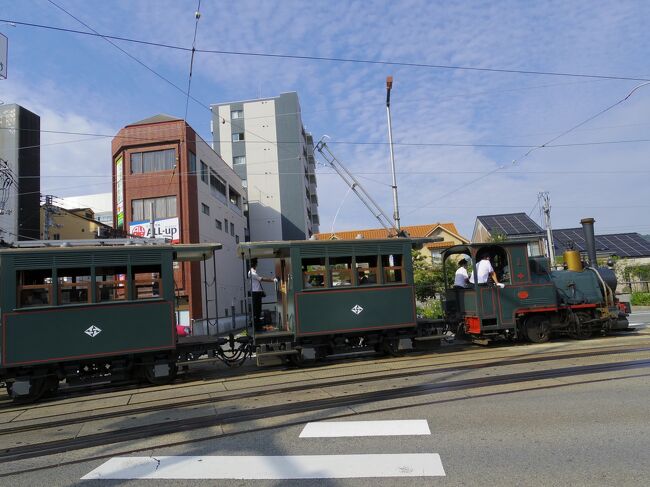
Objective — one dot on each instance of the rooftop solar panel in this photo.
(510, 224)
(622, 244)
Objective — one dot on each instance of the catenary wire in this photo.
(544, 145)
(331, 59)
(341, 142)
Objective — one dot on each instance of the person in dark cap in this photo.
(461, 278)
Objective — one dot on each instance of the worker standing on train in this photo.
(484, 271)
(461, 278)
(257, 291)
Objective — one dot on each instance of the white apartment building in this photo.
(266, 144)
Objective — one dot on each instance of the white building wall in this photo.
(262, 171)
(229, 280)
(223, 134)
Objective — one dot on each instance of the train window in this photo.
(74, 285)
(341, 271)
(314, 272)
(147, 282)
(366, 270)
(34, 288)
(392, 265)
(110, 283)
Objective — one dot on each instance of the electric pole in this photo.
(389, 86)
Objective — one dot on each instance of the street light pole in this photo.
(389, 86)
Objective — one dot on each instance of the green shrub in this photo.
(640, 299)
(431, 310)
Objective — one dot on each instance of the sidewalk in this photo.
(640, 309)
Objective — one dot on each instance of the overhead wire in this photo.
(329, 59)
(197, 16)
(338, 142)
(544, 145)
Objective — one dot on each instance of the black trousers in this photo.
(257, 306)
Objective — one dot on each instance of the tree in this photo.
(429, 279)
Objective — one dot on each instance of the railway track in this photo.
(190, 379)
(265, 412)
(344, 380)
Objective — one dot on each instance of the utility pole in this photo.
(546, 208)
(153, 220)
(48, 216)
(389, 86)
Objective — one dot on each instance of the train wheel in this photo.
(582, 326)
(389, 346)
(297, 360)
(150, 375)
(37, 387)
(538, 329)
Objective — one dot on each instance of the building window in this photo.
(232, 229)
(217, 223)
(217, 184)
(237, 114)
(238, 136)
(236, 238)
(204, 172)
(225, 225)
(163, 207)
(238, 160)
(192, 163)
(235, 197)
(205, 209)
(153, 161)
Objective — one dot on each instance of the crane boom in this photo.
(384, 220)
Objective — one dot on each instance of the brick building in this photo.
(162, 164)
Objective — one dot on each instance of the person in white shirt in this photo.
(484, 270)
(461, 278)
(257, 291)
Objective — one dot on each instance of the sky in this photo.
(461, 119)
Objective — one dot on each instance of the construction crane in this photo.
(352, 182)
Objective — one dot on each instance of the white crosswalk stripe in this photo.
(289, 466)
(271, 467)
(336, 429)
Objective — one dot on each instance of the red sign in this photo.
(139, 231)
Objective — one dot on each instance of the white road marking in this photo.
(334, 429)
(271, 467)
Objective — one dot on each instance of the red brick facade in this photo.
(158, 135)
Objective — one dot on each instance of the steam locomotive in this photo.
(537, 301)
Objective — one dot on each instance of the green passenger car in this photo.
(89, 310)
(333, 296)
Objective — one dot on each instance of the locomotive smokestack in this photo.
(590, 240)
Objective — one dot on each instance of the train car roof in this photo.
(278, 248)
(182, 252)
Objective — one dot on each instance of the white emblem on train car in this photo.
(93, 331)
(357, 309)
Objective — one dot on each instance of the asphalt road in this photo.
(589, 430)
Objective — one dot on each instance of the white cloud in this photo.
(346, 101)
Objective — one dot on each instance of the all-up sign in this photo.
(3, 57)
(167, 228)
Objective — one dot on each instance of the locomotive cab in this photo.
(483, 309)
